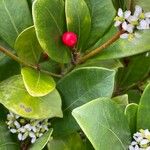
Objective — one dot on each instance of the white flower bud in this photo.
(16, 123)
(120, 12)
(33, 140)
(13, 130)
(20, 136)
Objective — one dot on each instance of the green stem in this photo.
(17, 59)
(99, 49)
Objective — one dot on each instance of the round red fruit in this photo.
(69, 39)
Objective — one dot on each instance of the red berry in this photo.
(69, 39)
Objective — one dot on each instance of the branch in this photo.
(8, 53)
(99, 49)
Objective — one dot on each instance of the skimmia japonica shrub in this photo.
(75, 74)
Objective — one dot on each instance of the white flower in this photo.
(133, 20)
(128, 27)
(127, 14)
(142, 140)
(144, 24)
(147, 15)
(138, 11)
(121, 17)
(26, 128)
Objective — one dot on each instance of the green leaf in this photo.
(49, 20)
(123, 47)
(143, 114)
(3, 113)
(110, 64)
(119, 4)
(79, 87)
(7, 141)
(42, 141)
(15, 17)
(27, 46)
(136, 70)
(71, 142)
(37, 83)
(14, 97)
(121, 100)
(102, 15)
(78, 20)
(104, 124)
(5, 64)
(134, 96)
(131, 114)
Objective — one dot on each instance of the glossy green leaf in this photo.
(102, 15)
(78, 20)
(14, 18)
(37, 83)
(7, 142)
(42, 141)
(14, 97)
(49, 20)
(104, 124)
(27, 46)
(136, 70)
(131, 114)
(110, 64)
(143, 114)
(79, 87)
(123, 47)
(71, 142)
(5, 64)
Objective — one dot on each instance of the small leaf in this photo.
(37, 83)
(78, 20)
(49, 20)
(42, 141)
(102, 15)
(27, 46)
(79, 87)
(104, 124)
(143, 114)
(14, 97)
(7, 141)
(131, 114)
(71, 142)
(14, 18)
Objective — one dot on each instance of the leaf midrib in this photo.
(11, 19)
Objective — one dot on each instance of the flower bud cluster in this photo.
(132, 22)
(27, 128)
(141, 140)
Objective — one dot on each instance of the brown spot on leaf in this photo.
(26, 109)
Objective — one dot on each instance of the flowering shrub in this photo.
(74, 75)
